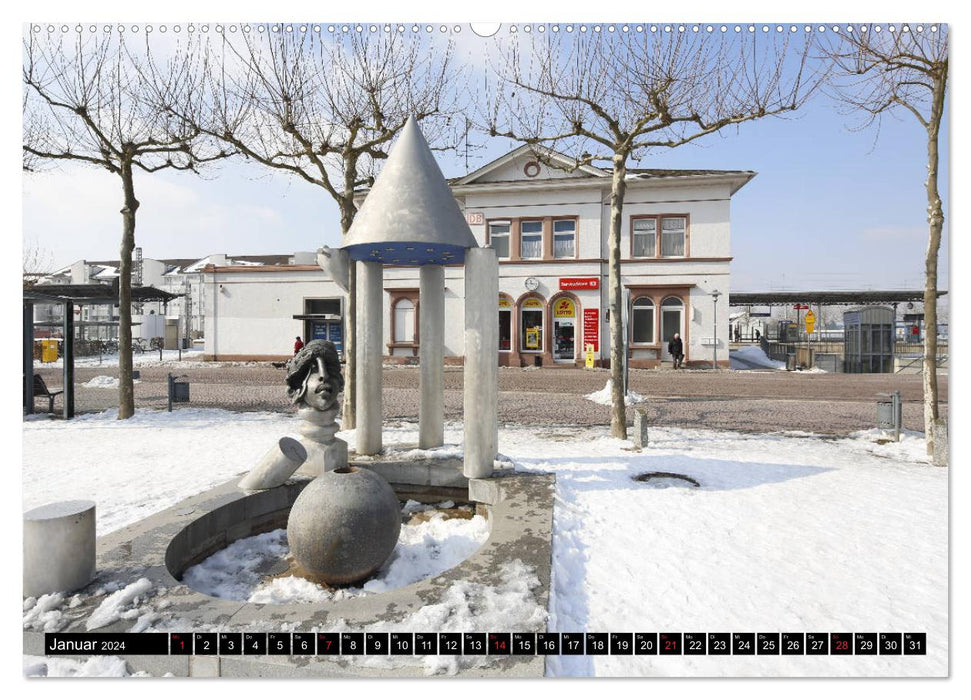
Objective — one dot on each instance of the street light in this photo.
(714, 362)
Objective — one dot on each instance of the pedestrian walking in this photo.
(297, 345)
(676, 349)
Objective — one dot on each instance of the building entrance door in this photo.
(672, 317)
(564, 330)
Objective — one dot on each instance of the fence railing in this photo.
(909, 352)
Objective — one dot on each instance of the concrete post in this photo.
(481, 361)
(640, 428)
(59, 547)
(431, 351)
(370, 306)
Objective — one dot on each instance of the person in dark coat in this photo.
(676, 348)
(297, 346)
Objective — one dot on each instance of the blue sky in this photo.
(831, 208)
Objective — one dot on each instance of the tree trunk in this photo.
(126, 385)
(935, 217)
(615, 300)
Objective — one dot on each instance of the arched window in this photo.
(531, 324)
(404, 321)
(642, 321)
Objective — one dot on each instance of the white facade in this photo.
(550, 228)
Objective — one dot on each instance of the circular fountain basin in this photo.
(254, 515)
(263, 569)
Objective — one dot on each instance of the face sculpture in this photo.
(320, 392)
(314, 376)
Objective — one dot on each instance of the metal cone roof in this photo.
(410, 216)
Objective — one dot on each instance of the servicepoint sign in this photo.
(579, 283)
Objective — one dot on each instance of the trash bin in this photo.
(885, 417)
(790, 361)
(180, 392)
(538, 361)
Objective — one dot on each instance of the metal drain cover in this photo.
(663, 480)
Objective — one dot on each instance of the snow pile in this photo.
(92, 667)
(42, 613)
(603, 396)
(425, 549)
(116, 605)
(235, 572)
(434, 453)
(465, 606)
(752, 356)
(104, 382)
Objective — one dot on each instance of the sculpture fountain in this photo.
(343, 521)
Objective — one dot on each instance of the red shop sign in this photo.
(579, 283)
(591, 328)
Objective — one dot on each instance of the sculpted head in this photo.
(314, 375)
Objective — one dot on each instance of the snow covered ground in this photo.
(787, 532)
(149, 358)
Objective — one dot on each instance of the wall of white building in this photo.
(249, 312)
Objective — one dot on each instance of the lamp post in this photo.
(714, 362)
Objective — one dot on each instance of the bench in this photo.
(40, 389)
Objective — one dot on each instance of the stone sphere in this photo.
(344, 525)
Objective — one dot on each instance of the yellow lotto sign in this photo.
(564, 309)
(810, 321)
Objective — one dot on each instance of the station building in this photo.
(549, 227)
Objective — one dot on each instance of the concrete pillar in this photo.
(481, 361)
(370, 308)
(276, 466)
(59, 547)
(431, 351)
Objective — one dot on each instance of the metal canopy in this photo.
(92, 294)
(410, 216)
(827, 298)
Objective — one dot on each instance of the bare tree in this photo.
(879, 71)
(325, 108)
(88, 100)
(38, 262)
(611, 97)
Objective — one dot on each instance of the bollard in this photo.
(940, 443)
(59, 547)
(640, 428)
